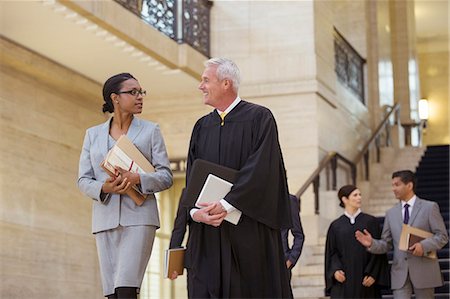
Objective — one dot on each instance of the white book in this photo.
(214, 190)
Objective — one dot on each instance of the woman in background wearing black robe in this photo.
(350, 270)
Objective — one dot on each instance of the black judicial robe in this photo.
(244, 260)
(344, 252)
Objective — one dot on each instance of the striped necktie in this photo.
(222, 116)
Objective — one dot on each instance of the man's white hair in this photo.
(226, 69)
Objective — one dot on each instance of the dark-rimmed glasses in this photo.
(134, 92)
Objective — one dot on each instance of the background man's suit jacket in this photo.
(118, 209)
(424, 272)
(294, 252)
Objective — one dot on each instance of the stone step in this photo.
(308, 292)
(308, 280)
(317, 269)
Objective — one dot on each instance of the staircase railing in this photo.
(331, 159)
(376, 136)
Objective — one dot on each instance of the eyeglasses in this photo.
(134, 92)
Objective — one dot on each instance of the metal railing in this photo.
(184, 21)
(331, 159)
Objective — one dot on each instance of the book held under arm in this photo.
(174, 261)
(412, 235)
(126, 155)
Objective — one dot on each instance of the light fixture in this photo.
(423, 109)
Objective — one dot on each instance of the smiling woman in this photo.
(124, 232)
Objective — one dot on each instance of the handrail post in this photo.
(333, 173)
(377, 148)
(353, 170)
(316, 184)
(366, 164)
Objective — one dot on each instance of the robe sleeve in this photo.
(377, 266)
(260, 191)
(332, 260)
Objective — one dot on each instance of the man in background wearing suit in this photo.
(410, 270)
(293, 253)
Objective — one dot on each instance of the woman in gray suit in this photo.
(124, 232)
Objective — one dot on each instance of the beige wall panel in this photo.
(350, 21)
(296, 120)
(434, 75)
(45, 222)
(46, 263)
(340, 130)
(176, 117)
(273, 44)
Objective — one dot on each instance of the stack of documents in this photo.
(126, 155)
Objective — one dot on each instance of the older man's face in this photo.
(211, 88)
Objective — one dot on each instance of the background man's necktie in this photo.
(406, 215)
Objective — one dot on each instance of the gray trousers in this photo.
(406, 291)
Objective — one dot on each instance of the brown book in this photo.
(413, 239)
(174, 261)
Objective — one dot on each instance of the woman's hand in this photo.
(132, 177)
(368, 281)
(339, 275)
(116, 185)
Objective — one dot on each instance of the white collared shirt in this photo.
(352, 217)
(234, 104)
(411, 203)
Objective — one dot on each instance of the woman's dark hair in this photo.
(113, 85)
(345, 191)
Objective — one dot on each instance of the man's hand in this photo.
(288, 264)
(203, 215)
(218, 209)
(174, 275)
(116, 185)
(417, 249)
(368, 281)
(339, 275)
(364, 238)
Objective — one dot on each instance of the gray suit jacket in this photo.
(424, 272)
(118, 209)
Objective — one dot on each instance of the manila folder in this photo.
(409, 232)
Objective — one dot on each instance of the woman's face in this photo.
(353, 201)
(126, 101)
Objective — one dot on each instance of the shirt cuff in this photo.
(104, 196)
(229, 208)
(192, 211)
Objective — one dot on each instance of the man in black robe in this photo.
(244, 260)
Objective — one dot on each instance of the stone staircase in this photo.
(308, 275)
(308, 281)
(377, 194)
